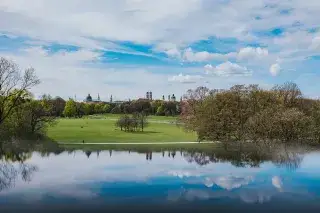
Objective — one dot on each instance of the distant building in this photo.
(149, 95)
(89, 99)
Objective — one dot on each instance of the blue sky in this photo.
(128, 47)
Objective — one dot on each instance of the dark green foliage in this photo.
(31, 118)
(76, 109)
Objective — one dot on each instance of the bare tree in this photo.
(289, 92)
(13, 84)
(198, 94)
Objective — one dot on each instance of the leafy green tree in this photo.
(98, 108)
(155, 105)
(88, 108)
(161, 110)
(70, 109)
(106, 108)
(80, 112)
(13, 86)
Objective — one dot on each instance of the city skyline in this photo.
(98, 99)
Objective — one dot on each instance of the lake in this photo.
(233, 180)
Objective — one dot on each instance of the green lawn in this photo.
(104, 130)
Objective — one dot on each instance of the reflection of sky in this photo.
(125, 177)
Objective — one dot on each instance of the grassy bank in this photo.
(98, 129)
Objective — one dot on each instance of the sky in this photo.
(125, 48)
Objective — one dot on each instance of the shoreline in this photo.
(136, 143)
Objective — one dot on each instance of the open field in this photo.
(97, 130)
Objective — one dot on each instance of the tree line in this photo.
(148, 107)
(71, 108)
(251, 113)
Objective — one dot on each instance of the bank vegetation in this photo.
(251, 113)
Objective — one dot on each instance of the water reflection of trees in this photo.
(245, 155)
(251, 156)
(13, 157)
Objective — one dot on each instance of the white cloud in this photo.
(185, 78)
(168, 48)
(191, 56)
(181, 174)
(253, 195)
(250, 53)
(227, 69)
(315, 45)
(277, 182)
(244, 54)
(228, 182)
(275, 69)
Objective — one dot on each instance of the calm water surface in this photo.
(165, 181)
